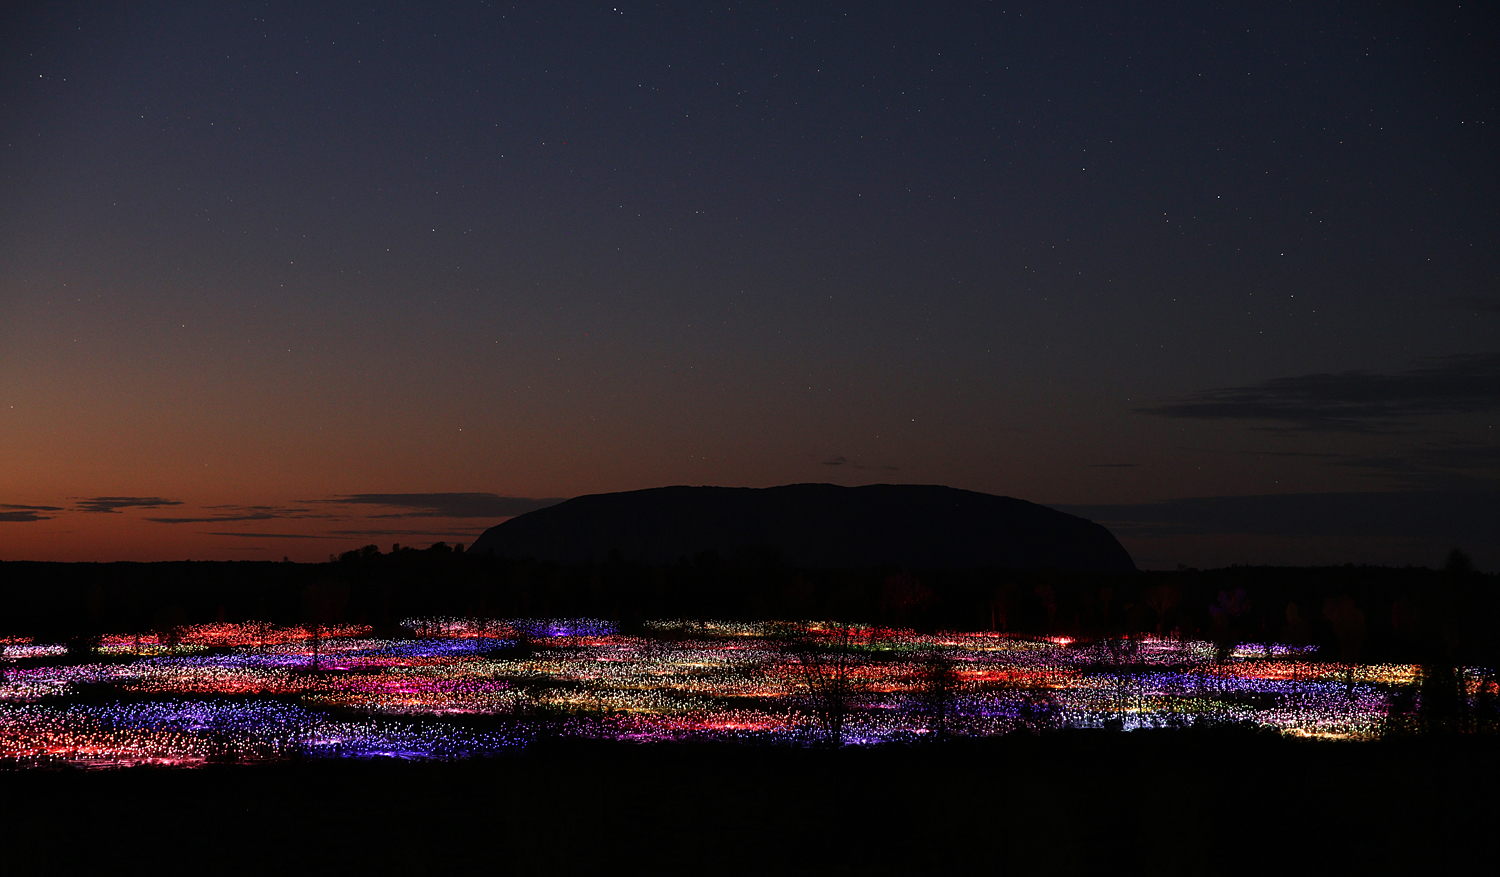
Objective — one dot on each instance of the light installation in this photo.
(457, 688)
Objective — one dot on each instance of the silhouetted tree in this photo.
(1001, 602)
(1048, 596)
(1105, 595)
(1458, 562)
(1224, 616)
(1162, 598)
(903, 597)
(323, 604)
(168, 624)
(938, 683)
(823, 670)
(1348, 626)
(1349, 630)
(363, 553)
(1297, 631)
(262, 630)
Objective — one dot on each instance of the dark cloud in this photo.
(216, 519)
(21, 517)
(1113, 465)
(1454, 464)
(1462, 516)
(17, 514)
(110, 505)
(1357, 401)
(1433, 465)
(445, 505)
(373, 533)
(269, 535)
(245, 513)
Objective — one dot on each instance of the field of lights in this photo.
(456, 688)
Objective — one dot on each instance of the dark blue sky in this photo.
(271, 258)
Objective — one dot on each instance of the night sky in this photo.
(279, 281)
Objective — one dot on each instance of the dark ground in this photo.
(1170, 802)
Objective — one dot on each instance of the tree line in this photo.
(1351, 613)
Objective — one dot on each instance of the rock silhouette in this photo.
(813, 525)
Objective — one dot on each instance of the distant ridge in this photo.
(813, 525)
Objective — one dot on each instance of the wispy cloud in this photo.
(1472, 515)
(246, 513)
(110, 505)
(1443, 463)
(213, 519)
(374, 533)
(1453, 464)
(18, 514)
(444, 505)
(1352, 401)
(269, 535)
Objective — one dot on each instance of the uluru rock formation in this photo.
(813, 525)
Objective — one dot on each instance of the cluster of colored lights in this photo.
(247, 692)
(19, 650)
(196, 732)
(198, 638)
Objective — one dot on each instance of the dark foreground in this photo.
(1172, 802)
